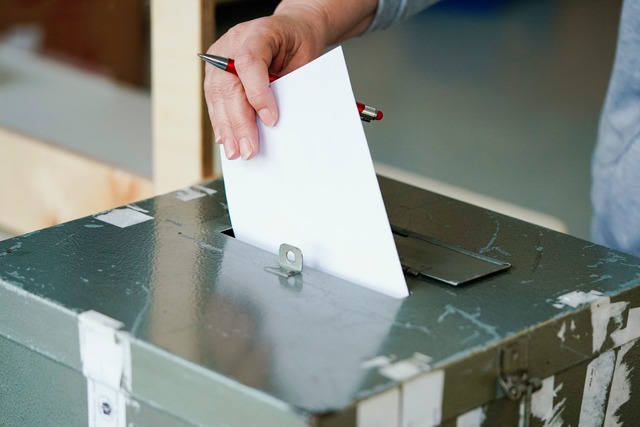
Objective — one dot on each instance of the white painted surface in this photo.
(406, 368)
(473, 418)
(123, 217)
(543, 404)
(422, 400)
(596, 386)
(381, 410)
(105, 357)
(620, 387)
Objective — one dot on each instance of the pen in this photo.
(367, 113)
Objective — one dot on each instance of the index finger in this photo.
(254, 74)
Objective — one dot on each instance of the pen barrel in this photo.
(231, 67)
(367, 113)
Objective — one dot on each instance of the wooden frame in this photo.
(182, 133)
(42, 184)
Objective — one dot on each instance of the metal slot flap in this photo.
(423, 256)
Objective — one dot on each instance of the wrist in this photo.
(331, 21)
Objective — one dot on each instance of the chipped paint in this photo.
(602, 311)
(596, 385)
(631, 331)
(209, 191)
(473, 318)
(494, 237)
(473, 418)
(123, 217)
(620, 388)
(11, 249)
(137, 208)
(194, 192)
(562, 330)
(376, 362)
(422, 400)
(577, 298)
(380, 410)
(407, 368)
(542, 403)
(187, 194)
(209, 247)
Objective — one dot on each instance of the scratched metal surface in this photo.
(178, 283)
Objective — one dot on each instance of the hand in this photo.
(279, 43)
(297, 32)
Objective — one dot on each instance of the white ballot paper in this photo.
(312, 184)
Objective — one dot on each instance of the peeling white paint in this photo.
(631, 331)
(381, 410)
(422, 400)
(620, 388)
(194, 192)
(123, 217)
(209, 191)
(376, 362)
(473, 418)
(473, 318)
(596, 385)
(137, 208)
(542, 403)
(13, 248)
(577, 298)
(189, 193)
(562, 330)
(407, 368)
(209, 247)
(602, 311)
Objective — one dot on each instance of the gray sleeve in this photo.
(391, 11)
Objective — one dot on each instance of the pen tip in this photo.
(199, 54)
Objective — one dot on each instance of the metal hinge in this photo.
(514, 378)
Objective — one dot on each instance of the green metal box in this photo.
(153, 315)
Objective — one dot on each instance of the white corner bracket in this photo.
(106, 363)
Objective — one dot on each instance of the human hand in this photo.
(297, 32)
(279, 44)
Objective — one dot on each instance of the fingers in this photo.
(234, 100)
(254, 74)
(282, 42)
(233, 119)
(222, 129)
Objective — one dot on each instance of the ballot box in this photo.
(153, 314)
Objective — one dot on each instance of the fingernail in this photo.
(266, 117)
(217, 137)
(230, 149)
(245, 148)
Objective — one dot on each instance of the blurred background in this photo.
(497, 100)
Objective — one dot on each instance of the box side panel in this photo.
(39, 325)
(140, 414)
(200, 396)
(604, 390)
(36, 391)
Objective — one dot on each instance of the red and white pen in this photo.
(367, 113)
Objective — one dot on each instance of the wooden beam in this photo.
(42, 185)
(182, 136)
